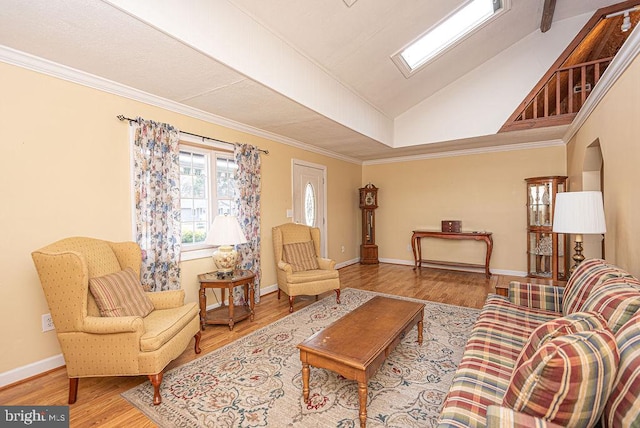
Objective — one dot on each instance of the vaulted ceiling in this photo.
(309, 72)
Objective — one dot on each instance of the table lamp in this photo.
(579, 213)
(225, 232)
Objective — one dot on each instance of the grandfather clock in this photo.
(368, 205)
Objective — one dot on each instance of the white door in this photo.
(309, 198)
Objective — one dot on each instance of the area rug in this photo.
(256, 380)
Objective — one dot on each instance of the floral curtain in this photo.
(156, 184)
(247, 181)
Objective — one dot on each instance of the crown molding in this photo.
(620, 63)
(466, 152)
(50, 68)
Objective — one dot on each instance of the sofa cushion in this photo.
(503, 417)
(623, 406)
(568, 380)
(572, 323)
(539, 296)
(617, 299)
(120, 294)
(301, 256)
(589, 275)
(483, 375)
(163, 325)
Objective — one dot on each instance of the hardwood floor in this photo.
(99, 402)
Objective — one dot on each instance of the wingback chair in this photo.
(299, 268)
(95, 345)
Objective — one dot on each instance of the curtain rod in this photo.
(122, 117)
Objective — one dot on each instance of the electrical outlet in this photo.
(342, 248)
(47, 323)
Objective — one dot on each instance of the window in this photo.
(447, 33)
(206, 190)
(225, 171)
(194, 196)
(309, 205)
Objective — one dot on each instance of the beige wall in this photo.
(615, 124)
(64, 171)
(485, 191)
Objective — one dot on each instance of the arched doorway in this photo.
(593, 179)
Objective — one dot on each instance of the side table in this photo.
(229, 314)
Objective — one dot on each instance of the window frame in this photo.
(409, 71)
(214, 151)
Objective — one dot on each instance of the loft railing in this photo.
(558, 101)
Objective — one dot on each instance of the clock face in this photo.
(368, 198)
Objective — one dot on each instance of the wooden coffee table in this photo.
(356, 345)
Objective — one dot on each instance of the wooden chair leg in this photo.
(156, 380)
(73, 389)
(338, 296)
(197, 345)
(290, 304)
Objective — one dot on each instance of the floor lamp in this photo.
(579, 213)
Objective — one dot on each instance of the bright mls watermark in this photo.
(34, 416)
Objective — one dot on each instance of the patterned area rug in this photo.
(256, 380)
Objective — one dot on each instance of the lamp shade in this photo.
(579, 213)
(225, 230)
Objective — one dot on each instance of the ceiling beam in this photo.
(547, 15)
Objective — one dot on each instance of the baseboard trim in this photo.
(20, 374)
(461, 269)
(30, 370)
(347, 263)
(34, 369)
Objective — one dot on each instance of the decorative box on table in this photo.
(452, 226)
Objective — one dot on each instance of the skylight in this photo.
(447, 33)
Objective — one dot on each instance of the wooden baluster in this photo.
(583, 84)
(570, 92)
(558, 112)
(546, 100)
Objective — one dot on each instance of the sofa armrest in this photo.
(166, 299)
(326, 264)
(538, 296)
(504, 417)
(113, 325)
(285, 267)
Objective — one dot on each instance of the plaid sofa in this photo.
(550, 356)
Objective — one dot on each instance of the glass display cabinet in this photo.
(547, 252)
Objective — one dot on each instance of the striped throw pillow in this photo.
(623, 407)
(572, 323)
(589, 275)
(120, 294)
(616, 299)
(568, 380)
(301, 256)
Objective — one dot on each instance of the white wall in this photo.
(488, 95)
(263, 57)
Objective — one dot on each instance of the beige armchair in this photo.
(93, 345)
(299, 268)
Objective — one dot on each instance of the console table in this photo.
(476, 236)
